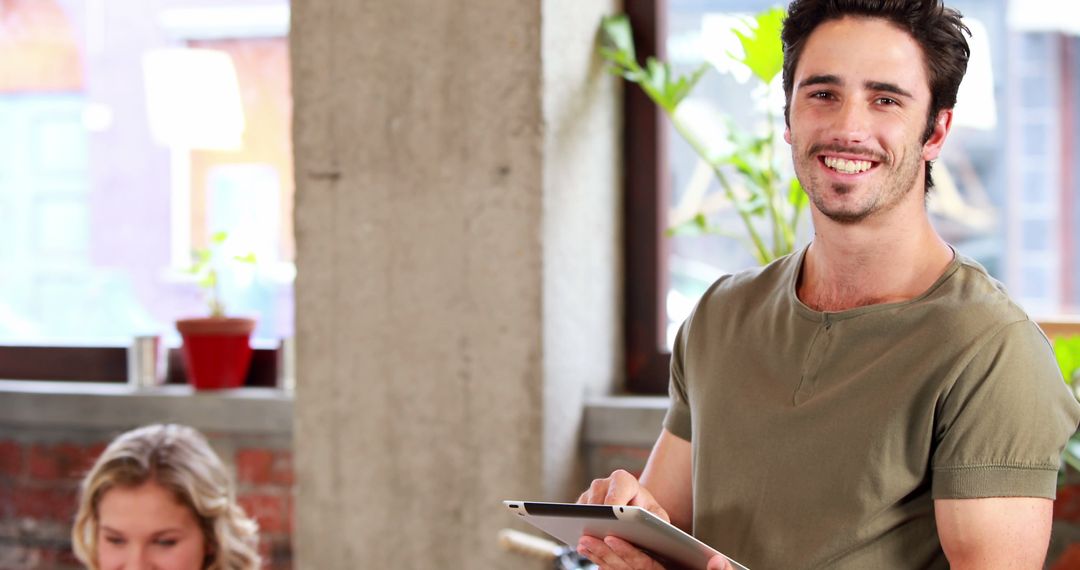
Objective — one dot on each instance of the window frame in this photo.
(647, 190)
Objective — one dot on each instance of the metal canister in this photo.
(145, 362)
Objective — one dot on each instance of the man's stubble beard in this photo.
(898, 182)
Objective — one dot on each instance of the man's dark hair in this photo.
(937, 29)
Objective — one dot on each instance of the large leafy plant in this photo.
(768, 202)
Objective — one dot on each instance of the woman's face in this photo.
(145, 527)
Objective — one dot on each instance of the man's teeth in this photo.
(847, 166)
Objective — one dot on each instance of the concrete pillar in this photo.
(458, 285)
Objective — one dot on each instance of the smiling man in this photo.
(875, 400)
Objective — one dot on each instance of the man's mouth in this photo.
(847, 166)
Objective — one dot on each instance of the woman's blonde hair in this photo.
(179, 459)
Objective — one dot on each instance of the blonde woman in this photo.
(159, 497)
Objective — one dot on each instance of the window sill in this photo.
(633, 421)
(119, 406)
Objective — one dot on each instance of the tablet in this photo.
(568, 522)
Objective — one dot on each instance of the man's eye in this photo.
(820, 95)
(886, 101)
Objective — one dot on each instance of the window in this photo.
(1006, 194)
(130, 132)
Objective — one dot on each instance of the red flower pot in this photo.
(216, 351)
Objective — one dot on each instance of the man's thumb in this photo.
(719, 563)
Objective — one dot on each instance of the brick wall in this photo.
(40, 472)
(264, 483)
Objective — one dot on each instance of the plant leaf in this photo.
(1067, 353)
(763, 52)
(755, 206)
(796, 197)
(678, 90)
(694, 226)
(617, 37)
(747, 165)
(657, 80)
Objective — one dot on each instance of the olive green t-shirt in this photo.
(820, 440)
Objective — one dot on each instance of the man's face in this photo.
(859, 104)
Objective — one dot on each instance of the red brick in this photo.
(292, 513)
(55, 557)
(1067, 505)
(269, 510)
(283, 469)
(1069, 560)
(10, 459)
(92, 452)
(46, 503)
(7, 499)
(254, 466)
(44, 462)
(60, 461)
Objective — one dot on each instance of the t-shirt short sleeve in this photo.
(1004, 422)
(677, 420)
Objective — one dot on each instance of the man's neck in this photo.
(854, 266)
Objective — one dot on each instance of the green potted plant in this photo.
(216, 349)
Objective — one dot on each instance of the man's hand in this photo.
(611, 553)
(622, 488)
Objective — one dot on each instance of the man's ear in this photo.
(942, 125)
(787, 134)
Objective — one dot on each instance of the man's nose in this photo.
(852, 123)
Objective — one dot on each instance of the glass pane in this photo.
(130, 132)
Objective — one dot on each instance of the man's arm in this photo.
(1004, 532)
(668, 475)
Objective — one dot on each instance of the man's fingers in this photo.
(585, 546)
(600, 554)
(596, 492)
(647, 502)
(719, 563)
(630, 555)
(622, 487)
